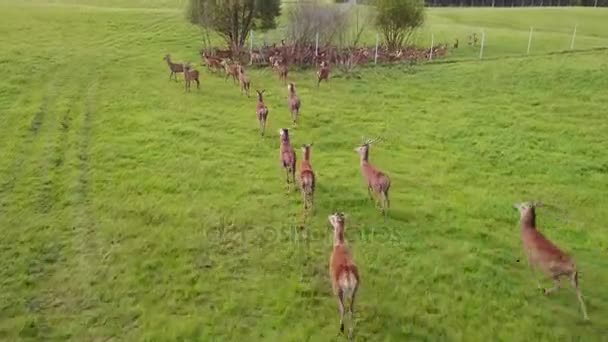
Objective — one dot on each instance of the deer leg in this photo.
(198, 84)
(170, 75)
(579, 295)
(385, 204)
(352, 313)
(387, 200)
(554, 288)
(341, 306)
(534, 274)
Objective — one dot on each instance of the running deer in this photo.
(190, 75)
(175, 68)
(261, 111)
(307, 178)
(343, 272)
(244, 81)
(542, 254)
(294, 102)
(282, 70)
(288, 156)
(230, 70)
(378, 183)
(323, 73)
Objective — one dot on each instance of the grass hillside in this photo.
(132, 211)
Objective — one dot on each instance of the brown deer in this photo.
(230, 70)
(256, 57)
(323, 73)
(307, 178)
(190, 75)
(261, 111)
(213, 63)
(293, 101)
(343, 272)
(174, 68)
(544, 255)
(244, 81)
(288, 156)
(378, 183)
(282, 70)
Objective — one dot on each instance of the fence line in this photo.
(483, 43)
(432, 44)
(588, 42)
(529, 40)
(573, 37)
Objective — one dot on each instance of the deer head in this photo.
(284, 132)
(260, 94)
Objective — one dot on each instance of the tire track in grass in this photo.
(35, 248)
(27, 140)
(87, 269)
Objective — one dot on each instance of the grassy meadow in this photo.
(131, 211)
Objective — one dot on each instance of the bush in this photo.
(397, 20)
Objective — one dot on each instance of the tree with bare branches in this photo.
(234, 19)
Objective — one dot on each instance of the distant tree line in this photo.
(516, 3)
(500, 3)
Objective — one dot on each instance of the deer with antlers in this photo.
(261, 111)
(307, 178)
(288, 156)
(378, 183)
(323, 73)
(544, 255)
(190, 75)
(174, 68)
(230, 70)
(244, 81)
(293, 101)
(343, 272)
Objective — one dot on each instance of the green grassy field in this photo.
(132, 211)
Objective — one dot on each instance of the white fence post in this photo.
(251, 48)
(573, 36)
(317, 45)
(483, 43)
(432, 43)
(529, 40)
(376, 54)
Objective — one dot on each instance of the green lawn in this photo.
(132, 211)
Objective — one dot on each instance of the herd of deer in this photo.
(541, 253)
